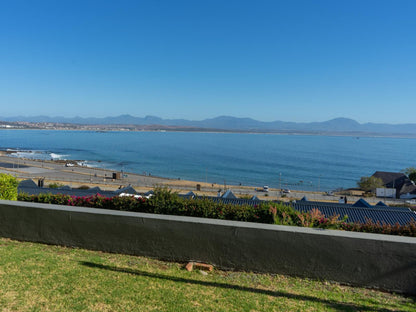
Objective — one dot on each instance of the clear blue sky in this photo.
(269, 60)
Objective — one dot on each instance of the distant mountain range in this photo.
(228, 123)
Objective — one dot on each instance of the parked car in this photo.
(286, 191)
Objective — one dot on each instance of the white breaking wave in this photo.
(89, 164)
(57, 156)
(34, 154)
(27, 154)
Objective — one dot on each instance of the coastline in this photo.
(56, 171)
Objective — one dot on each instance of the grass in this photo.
(37, 277)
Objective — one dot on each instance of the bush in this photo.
(165, 201)
(287, 215)
(370, 226)
(84, 187)
(369, 184)
(55, 185)
(8, 187)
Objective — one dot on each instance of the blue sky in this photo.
(268, 60)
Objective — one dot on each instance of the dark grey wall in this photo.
(372, 260)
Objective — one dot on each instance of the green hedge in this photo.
(163, 202)
(166, 202)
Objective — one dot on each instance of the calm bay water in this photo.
(289, 161)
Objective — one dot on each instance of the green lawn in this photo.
(37, 277)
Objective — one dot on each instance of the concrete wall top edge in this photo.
(260, 226)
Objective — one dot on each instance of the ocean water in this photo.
(288, 161)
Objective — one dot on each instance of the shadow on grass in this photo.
(340, 306)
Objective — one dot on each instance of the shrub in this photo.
(55, 185)
(370, 226)
(287, 215)
(246, 196)
(282, 214)
(8, 187)
(369, 184)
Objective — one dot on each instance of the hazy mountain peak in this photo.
(150, 117)
(343, 120)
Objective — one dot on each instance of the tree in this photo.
(369, 184)
(8, 187)
(411, 173)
